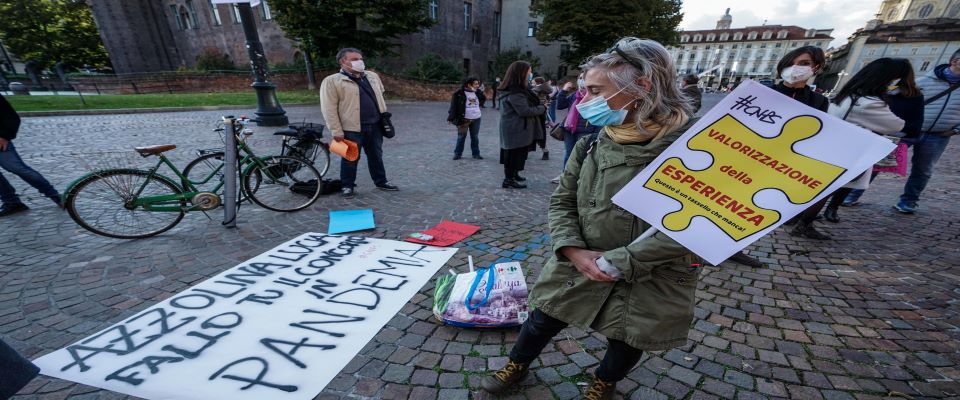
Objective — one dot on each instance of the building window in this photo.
(564, 50)
(777, 46)
(752, 36)
(914, 50)
(265, 10)
(710, 37)
(531, 28)
(926, 64)
(748, 46)
(466, 67)
(696, 38)
(767, 35)
(734, 46)
(194, 22)
(496, 24)
(684, 39)
(763, 45)
(561, 71)
(467, 15)
(738, 36)
(215, 14)
(177, 17)
(236, 13)
(434, 7)
(933, 50)
(476, 35)
(896, 50)
(925, 10)
(707, 48)
(782, 35)
(893, 13)
(872, 52)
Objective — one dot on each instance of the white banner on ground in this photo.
(751, 163)
(279, 326)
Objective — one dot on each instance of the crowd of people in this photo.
(624, 109)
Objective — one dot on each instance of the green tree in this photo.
(594, 31)
(372, 26)
(50, 31)
(433, 68)
(507, 57)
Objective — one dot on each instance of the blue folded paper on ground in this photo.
(350, 221)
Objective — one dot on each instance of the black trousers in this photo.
(540, 329)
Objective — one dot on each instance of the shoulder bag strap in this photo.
(941, 94)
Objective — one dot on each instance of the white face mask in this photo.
(796, 73)
(357, 65)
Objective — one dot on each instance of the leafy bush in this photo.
(213, 60)
(435, 69)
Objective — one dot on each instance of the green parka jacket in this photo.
(652, 307)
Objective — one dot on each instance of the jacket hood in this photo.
(938, 72)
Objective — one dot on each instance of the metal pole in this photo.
(230, 173)
(308, 61)
(268, 107)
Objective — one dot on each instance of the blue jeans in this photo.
(11, 161)
(570, 140)
(926, 151)
(370, 140)
(474, 130)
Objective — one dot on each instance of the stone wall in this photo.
(234, 82)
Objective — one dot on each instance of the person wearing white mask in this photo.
(795, 69)
(352, 103)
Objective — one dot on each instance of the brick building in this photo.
(164, 35)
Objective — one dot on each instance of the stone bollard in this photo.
(19, 89)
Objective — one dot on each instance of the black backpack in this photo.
(308, 188)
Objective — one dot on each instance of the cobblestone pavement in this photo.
(870, 314)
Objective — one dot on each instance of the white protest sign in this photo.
(279, 326)
(752, 162)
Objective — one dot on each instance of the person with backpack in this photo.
(941, 120)
(464, 113)
(642, 299)
(10, 161)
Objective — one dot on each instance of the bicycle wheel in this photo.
(206, 171)
(324, 159)
(101, 204)
(279, 173)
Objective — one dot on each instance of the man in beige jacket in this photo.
(352, 101)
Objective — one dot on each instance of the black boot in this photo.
(546, 155)
(512, 184)
(808, 231)
(830, 214)
(519, 178)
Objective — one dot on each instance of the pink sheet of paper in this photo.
(446, 233)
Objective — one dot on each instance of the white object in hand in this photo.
(608, 268)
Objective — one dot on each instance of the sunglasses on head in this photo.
(616, 49)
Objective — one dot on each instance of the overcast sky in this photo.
(844, 16)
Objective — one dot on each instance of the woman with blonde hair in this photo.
(639, 295)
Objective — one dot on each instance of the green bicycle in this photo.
(129, 203)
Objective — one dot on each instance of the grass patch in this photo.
(118, 101)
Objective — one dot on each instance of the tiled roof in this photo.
(793, 33)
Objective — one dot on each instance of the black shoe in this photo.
(347, 193)
(830, 214)
(741, 258)
(477, 157)
(388, 187)
(519, 178)
(457, 157)
(546, 155)
(808, 231)
(9, 209)
(512, 184)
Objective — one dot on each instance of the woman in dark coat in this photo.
(522, 117)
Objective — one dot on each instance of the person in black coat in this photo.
(464, 113)
(11, 161)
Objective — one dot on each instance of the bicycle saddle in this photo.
(154, 150)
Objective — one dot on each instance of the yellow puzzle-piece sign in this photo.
(744, 163)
